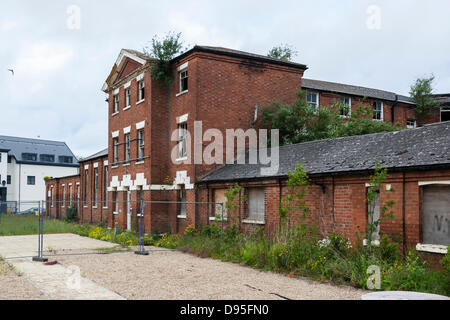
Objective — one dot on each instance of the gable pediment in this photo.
(127, 62)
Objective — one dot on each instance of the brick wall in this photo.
(342, 208)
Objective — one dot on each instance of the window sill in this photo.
(114, 113)
(374, 242)
(181, 217)
(113, 167)
(85, 207)
(94, 207)
(105, 207)
(433, 248)
(181, 159)
(181, 93)
(125, 165)
(140, 101)
(126, 108)
(115, 213)
(253, 221)
(218, 220)
(140, 162)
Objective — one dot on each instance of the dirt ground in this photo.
(13, 286)
(177, 275)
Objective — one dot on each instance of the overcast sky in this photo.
(60, 66)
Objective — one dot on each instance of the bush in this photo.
(71, 214)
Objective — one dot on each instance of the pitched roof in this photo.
(423, 147)
(18, 146)
(99, 154)
(354, 90)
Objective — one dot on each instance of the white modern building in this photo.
(25, 162)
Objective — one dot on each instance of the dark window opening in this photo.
(47, 157)
(29, 156)
(31, 180)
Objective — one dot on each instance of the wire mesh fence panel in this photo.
(119, 224)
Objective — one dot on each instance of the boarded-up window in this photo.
(256, 206)
(436, 215)
(219, 197)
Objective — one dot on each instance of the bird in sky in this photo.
(12, 71)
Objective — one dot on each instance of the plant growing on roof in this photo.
(163, 51)
(283, 52)
(421, 92)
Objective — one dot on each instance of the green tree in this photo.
(163, 51)
(298, 122)
(421, 92)
(283, 52)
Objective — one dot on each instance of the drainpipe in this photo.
(404, 215)
(279, 203)
(332, 206)
(20, 177)
(393, 109)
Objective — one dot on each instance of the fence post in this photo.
(39, 257)
(142, 250)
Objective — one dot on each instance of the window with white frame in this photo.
(445, 114)
(141, 90)
(127, 147)
(116, 103)
(116, 202)
(345, 107)
(70, 195)
(127, 97)
(53, 196)
(411, 124)
(95, 186)
(378, 110)
(256, 205)
(86, 187)
(313, 100)
(115, 150)
(141, 143)
(182, 140)
(183, 80)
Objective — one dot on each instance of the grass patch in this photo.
(23, 224)
(299, 251)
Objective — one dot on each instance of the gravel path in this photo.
(177, 275)
(18, 287)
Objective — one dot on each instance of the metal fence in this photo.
(127, 215)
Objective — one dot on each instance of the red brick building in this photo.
(418, 162)
(149, 125)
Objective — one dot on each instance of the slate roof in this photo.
(16, 146)
(354, 90)
(420, 148)
(99, 154)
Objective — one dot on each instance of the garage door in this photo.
(436, 215)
